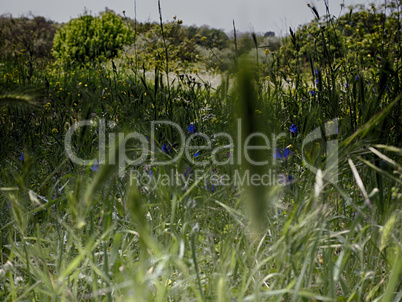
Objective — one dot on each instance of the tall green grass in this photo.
(71, 233)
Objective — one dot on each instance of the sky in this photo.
(249, 15)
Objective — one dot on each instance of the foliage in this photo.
(86, 38)
(73, 232)
(31, 35)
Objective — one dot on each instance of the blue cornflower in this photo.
(356, 78)
(165, 149)
(196, 154)
(303, 99)
(284, 154)
(191, 128)
(293, 129)
(346, 85)
(316, 71)
(312, 92)
(316, 81)
(22, 156)
(95, 166)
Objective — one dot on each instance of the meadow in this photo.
(166, 162)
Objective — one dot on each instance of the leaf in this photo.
(359, 182)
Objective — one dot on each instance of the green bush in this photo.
(87, 38)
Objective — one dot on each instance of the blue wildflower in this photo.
(346, 85)
(95, 166)
(293, 129)
(356, 78)
(303, 99)
(22, 156)
(284, 154)
(289, 179)
(278, 153)
(316, 81)
(191, 128)
(316, 71)
(165, 149)
(196, 154)
(312, 92)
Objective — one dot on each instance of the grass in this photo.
(82, 233)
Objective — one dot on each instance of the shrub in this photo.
(87, 38)
(32, 34)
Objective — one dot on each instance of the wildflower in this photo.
(22, 156)
(303, 99)
(196, 154)
(95, 166)
(316, 71)
(54, 130)
(203, 39)
(266, 51)
(316, 81)
(293, 129)
(19, 281)
(258, 111)
(284, 154)
(191, 128)
(346, 85)
(356, 78)
(312, 92)
(165, 148)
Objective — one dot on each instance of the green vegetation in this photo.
(72, 232)
(88, 38)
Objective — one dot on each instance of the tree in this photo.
(87, 38)
(32, 35)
